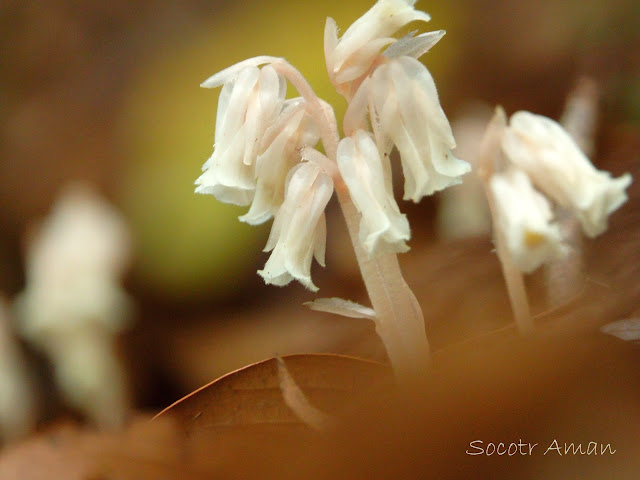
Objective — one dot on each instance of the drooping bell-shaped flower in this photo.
(383, 229)
(542, 148)
(404, 110)
(293, 130)
(525, 219)
(250, 101)
(354, 53)
(299, 229)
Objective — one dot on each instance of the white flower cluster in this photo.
(264, 152)
(539, 150)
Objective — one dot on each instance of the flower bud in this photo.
(353, 54)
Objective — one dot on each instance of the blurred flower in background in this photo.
(73, 305)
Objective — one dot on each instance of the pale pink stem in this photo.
(489, 151)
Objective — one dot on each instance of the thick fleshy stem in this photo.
(489, 152)
(399, 319)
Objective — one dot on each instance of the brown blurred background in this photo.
(107, 91)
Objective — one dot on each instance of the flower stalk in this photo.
(514, 280)
(399, 319)
(398, 316)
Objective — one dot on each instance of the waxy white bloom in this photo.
(250, 101)
(383, 229)
(293, 130)
(543, 149)
(299, 229)
(524, 217)
(354, 53)
(73, 304)
(404, 109)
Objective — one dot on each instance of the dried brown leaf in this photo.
(252, 396)
(240, 425)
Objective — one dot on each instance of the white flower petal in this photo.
(223, 105)
(404, 108)
(320, 159)
(361, 60)
(263, 111)
(227, 177)
(236, 108)
(330, 41)
(383, 229)
(230, 73)
(232, 110)
(298, 228)
(290, 109)
(249, 104)
(208, 184)
(411, 76)
(293, 128)
(355, 117)
(319, 239)
(524, 217)
(542, 148)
